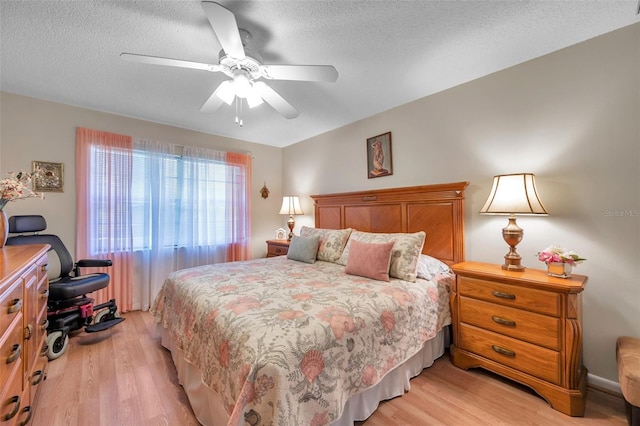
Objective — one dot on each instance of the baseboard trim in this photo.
(602, 384)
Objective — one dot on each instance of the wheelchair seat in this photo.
(67, 285)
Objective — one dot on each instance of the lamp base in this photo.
(291, 224)
(512, 235)
(511, 264)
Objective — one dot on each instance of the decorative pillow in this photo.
(303, 249)
(370, 260)
(332, 241)
(430, 267)
(404, 256)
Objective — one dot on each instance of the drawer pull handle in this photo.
(28, 410)
(13, 400)
(15, 353)
(503, 321)
(15, 306)
(45, 267)
(44, 325)
(45, 349)
(37, 377)
(44, 294)
(503, 351)
(28, 332)
(502, 295)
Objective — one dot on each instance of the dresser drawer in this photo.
(540, 301)
(531, 359)
(43, 284)
(534, 328)
(11, 350)
(277, 249)
(38, 374)
(11, 304)
(11, 398)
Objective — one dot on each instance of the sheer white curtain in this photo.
(179, 212)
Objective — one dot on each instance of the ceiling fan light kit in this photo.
(244, 66)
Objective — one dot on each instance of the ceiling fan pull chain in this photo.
(239, 111)
(237, 120)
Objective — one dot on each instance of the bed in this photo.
(289, 340)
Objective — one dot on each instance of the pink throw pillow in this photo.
(370, 260)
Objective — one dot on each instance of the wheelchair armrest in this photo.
(93, 263)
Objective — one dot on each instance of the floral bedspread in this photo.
(287, 343)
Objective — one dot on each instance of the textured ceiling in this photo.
(387, 53)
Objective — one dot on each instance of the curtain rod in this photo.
(179, 147)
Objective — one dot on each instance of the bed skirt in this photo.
(209, 411)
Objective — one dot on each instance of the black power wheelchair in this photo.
(68, 307)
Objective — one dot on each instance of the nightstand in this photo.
(277, 247)
(526, 326)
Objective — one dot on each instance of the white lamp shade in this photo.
(226, 92)
(240, 87)
(291, 205)
(254, 99)
(514, 194)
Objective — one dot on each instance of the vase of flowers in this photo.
(559, 261)
(14, 187)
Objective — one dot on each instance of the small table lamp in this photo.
(513, 194)
(291, 206)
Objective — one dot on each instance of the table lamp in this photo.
(291, 206)
(512, 195)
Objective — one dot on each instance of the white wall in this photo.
(33, 129)
(571, 118)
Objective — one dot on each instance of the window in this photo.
(153, 212)
(176, 201)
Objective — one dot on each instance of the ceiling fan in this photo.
(244, 66)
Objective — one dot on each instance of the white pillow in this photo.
(430, 267)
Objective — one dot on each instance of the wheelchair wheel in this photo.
(105, 315)
(56, 345)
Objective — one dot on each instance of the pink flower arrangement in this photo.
(15, 187)
(553, 254)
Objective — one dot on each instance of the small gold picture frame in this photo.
(51, 178)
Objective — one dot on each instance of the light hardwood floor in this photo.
(123, 376)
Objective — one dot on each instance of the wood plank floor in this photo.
(123, 376)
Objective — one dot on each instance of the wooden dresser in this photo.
(526, 326)
(24, 288)
(277, 247)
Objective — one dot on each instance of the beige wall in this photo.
(572, 119)
(32, 129)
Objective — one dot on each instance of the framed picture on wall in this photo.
(379, 161)
(51, 178)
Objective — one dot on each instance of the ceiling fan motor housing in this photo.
(249, 64)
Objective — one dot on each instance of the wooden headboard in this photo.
(436, 209)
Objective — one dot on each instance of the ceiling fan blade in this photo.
(278, 103)
(215, 100)
(300, 72)
(224, 24)
(156, 60)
